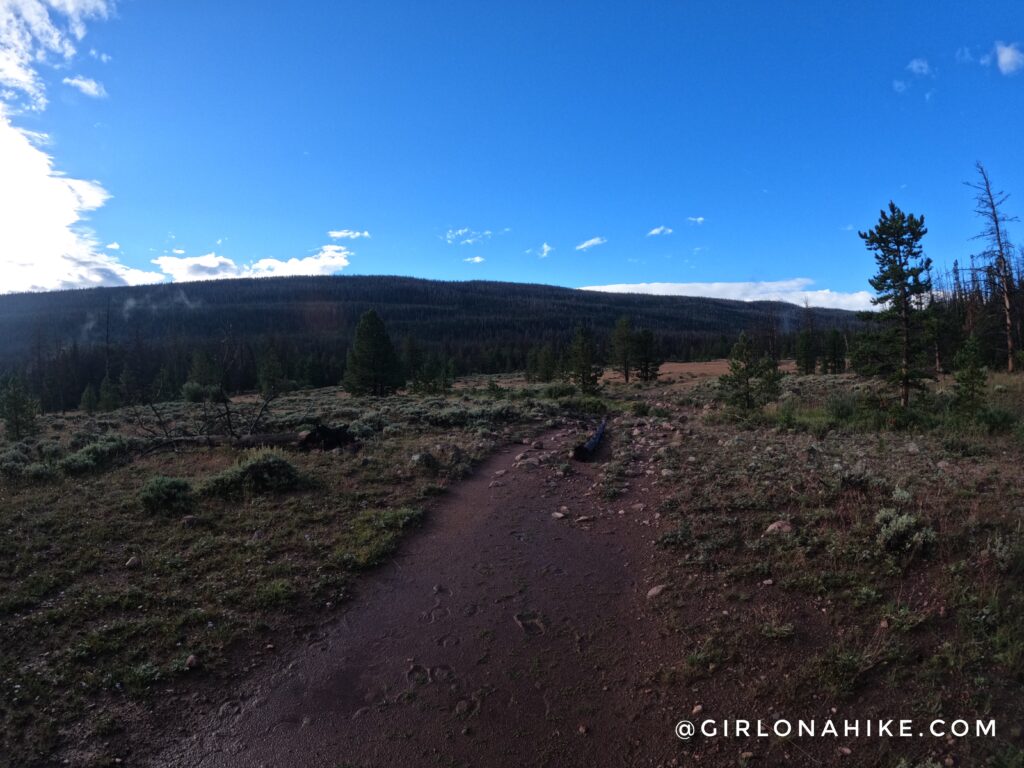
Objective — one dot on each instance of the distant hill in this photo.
(454, 314)
(483, 326)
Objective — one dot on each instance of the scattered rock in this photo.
(501, 473)
(192, 661)
(779, 526)
(538, 445)
(557, 515)
(584, 519)
(913, 448)
(697, 709)
(133, 562)
(845, 751)
(653, 592)
(767, 582)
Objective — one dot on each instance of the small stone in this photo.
(133, 562)
(192, 661)
(495, 484)
(845, 751)
(884, 624)
(557, 515)
(500, 472)
(779, 526)
(746, 755)
(767, 582)
(538, 445)
(912, 448)
(582, 729)
(653, 592)
(584, 519)
(697, 709)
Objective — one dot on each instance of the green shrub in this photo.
(585, 404)
(13, 462)
(841, 408)
(997, 420)
(167, 496)
(902, 532)
(105, 452)
(641, 408)
(263, 472)
(558, 391)
(39, 472)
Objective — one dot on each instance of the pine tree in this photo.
(835, 352)
(583, 371)
(752, 381)
(110, 398)
(372, 366)
(806, 358)
(18, 409)
(648, 361)
(89, 400)
(623, 347)
(902, 283)
(270, 374)
(971, 378)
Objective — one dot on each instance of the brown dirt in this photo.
(500, 635)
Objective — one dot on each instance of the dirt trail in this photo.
(499, 636)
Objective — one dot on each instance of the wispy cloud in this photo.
(31, 36)
(662, 230)
(87, 86)
(919, 67)
(899, 86)
(695, 219)
(542, 251)
(964, 55)
(588, 244)
(1009, 58)
(347, 234)
(329, 260)
(101, 57)
(475, 260)
(465, 236)
(794, 291)
(114, 246)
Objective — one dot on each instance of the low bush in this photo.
(167, 496)
(95, 457)
(903, 532)
(263, 472)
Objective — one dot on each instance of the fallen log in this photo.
(586, 450)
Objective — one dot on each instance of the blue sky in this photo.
(221, 139)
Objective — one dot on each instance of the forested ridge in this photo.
(61, 342)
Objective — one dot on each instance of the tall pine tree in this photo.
(902, 284)
(372, 366)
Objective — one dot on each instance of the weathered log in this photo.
(268, 440)
(324, 438)
(586, 450)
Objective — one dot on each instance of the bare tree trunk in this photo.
(988, 204)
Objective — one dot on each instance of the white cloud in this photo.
(662, 230)
(347, 234)
(30, 36)
(44, 243)
(794, 291)
(178, 251)
(695, 219)
(114, 246)
(475, 260)
(102, 57)
(542, 251)
(899, 86)
(327, 261)
(465, 236)
(87, 86)
(1009, 58)
(919, 67)
(587, 244)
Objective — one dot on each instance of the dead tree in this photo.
(988, 205)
